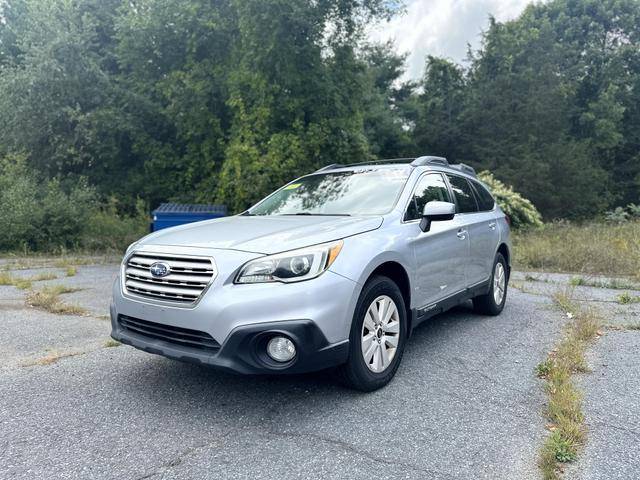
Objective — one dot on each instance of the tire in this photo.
(358, 373)
(488, 304)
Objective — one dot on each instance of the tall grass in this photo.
(592, 248)
(564, 407)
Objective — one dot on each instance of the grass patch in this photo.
(613, 284)
(48, 299)
(626, 298)
(24, 283)
(71, 271)
(544, 368)
(72, 262)
(112, 343)
(564, 410)
(44, 276)
(591, 248)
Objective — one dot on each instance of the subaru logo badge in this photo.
(160, 269)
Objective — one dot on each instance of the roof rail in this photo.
(414, 162)
(429, 160)
(381, 162)
(463, 167)
(329, 167)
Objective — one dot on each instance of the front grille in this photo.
(183, 337)
(188, 279)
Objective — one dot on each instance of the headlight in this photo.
(293, 266)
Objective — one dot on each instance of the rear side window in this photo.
(430, 187)
(484, 198)
(463, 193)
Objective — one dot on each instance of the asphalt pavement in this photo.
(465, 403)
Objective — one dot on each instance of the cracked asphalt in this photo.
(465, 403)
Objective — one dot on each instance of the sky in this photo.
(442, 28)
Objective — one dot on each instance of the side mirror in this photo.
(436, 212)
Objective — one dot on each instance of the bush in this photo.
(621, 215)
(521, 211)
(107, 230)
(50, 215)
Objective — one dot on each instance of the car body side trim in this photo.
(421, 314)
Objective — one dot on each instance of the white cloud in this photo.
(442, 28)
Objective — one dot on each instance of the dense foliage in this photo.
(209, 100)
(522, 213)
(46, 215)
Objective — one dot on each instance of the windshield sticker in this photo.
(293, 186)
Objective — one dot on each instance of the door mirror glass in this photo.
(436, 212)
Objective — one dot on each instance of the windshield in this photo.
(362, 192)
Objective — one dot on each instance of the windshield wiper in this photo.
(319, 214)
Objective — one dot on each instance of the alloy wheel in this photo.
(499, 283)
(380, 334)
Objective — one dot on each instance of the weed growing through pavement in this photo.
(626, 298)
(613, 284)
(25, 283)
(44, 276)
(112, 343)
(544, 368)
(49, 299)
(564, 409)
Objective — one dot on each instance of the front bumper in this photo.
(315, 314)
(244, 350)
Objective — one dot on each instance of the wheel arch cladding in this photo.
(399, 275)
(504, 250)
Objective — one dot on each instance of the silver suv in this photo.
(334, 269)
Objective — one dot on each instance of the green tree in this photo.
(438, 124)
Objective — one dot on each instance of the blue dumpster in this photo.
(172, 214)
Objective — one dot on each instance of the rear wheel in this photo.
(378, 335)
(493, 302)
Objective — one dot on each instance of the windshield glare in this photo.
(361, 192)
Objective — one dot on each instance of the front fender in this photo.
(362, 255)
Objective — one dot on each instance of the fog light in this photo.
(281, 349)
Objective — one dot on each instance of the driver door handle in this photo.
(462, 234)
(492, 225)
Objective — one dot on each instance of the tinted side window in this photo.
(485, 200)
(464, 194)
(431, 187)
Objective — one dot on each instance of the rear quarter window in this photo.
(464, 194)
(486, 201)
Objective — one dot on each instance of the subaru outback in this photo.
(335, 269)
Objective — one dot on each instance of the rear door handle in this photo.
(462, 234)
(492, 225)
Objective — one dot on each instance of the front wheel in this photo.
(378, 335)
(493, 302)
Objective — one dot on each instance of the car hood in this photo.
(263, 234)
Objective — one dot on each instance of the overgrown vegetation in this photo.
(588, 249)
(49, 299)
(626, 298)
(37, 214)
(564, 408)
(24, 283)
(613, 283)
(521, 211)
(193, 100)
